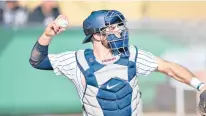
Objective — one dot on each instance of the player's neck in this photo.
(101, 52)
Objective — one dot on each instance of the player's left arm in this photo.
(179, 73)
(182, 74)
(146, 63)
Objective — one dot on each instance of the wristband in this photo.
(196, 83)
(200, 86)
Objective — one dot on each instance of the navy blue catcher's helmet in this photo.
(99, 21)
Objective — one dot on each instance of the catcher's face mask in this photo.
(116, 33)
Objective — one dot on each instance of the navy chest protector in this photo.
(112, 89)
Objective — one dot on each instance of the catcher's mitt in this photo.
(202, 103)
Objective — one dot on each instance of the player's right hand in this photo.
(53, 29)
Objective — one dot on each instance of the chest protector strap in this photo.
(88, 64)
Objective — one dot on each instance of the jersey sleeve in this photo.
(145, 63)
(64, 64)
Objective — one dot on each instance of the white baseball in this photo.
(62, 23)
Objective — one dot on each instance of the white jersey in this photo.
(66, 64)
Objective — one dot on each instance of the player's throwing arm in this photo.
(39, 56)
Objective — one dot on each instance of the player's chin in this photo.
(106, 44)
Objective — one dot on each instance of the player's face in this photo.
(115, 29)
(112, 29)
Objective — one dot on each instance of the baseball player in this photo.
(106, 77)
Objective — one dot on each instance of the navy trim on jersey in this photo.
(39, 57)
(44, 64)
